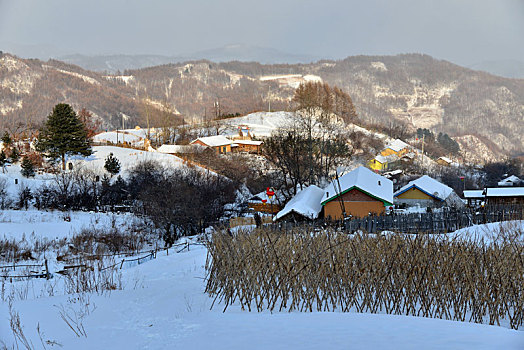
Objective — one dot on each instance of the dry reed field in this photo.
(417, 275)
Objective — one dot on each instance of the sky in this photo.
(461, 31)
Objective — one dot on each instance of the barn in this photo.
(358, 193)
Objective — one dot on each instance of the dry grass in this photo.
(417, 275)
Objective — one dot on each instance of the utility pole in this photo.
(269, 98)
(422, 159)
(123, 128)
(147, 118)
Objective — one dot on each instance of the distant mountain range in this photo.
(504, 68)
(243, 53)
(484, 112)
(114, 63)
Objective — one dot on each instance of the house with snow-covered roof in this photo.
(250, 146)
(426, 191)
(304, 205)
(510, 181)
(397, 147)
(505, 196)
(445, 161)
(474, 197)
(219, 143)
(383, 163)
(358, 193)
(263, 203)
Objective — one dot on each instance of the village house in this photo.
(510, 181)
(444, 161)
(504, 196)
(397, 147)
(250, 146)
(474, 197)
(219, 143)
(263, 203)
(305, 205)
(426, 192)
(358, 193)
(383, 163)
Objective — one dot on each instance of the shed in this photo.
(304, 205)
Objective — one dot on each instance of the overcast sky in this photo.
(462, 31)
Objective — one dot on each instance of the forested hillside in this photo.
(414, 91)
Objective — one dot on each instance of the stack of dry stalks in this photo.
(417, 275)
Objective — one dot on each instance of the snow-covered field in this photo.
(128, 158)
(34, 224)
(261, 124)
(163, 305)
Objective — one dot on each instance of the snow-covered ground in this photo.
(29, 224)
(128, 158)
(489, 232)
(163, 305)
(261, 124)
(115, 137)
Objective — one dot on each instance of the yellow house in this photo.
(382, 163)
(397, 147)
(378, 163)
(423, 191)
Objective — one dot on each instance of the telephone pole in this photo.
(269, 98)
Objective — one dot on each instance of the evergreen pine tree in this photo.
(15, 155)
(28, 169)
(6, 139)
(63, 134)
(3, 160)
(112, 164)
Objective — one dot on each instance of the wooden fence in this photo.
(127, 261)
(442, 221)
(243, 221)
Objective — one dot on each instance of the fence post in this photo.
(46, 269)
(122, 263)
